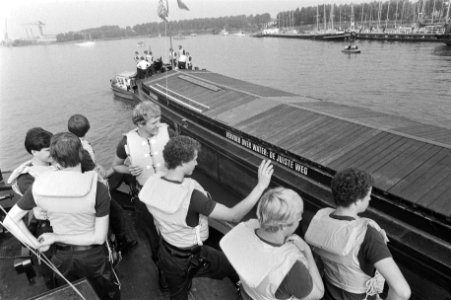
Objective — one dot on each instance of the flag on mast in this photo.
(163, 9)
(182, 5)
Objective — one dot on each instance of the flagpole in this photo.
(170, 45)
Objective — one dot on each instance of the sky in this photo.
(73, 15)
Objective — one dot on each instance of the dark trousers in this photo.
(179, 270)
(143, 219)
(118, 222)
(146, 224)
(92, 264)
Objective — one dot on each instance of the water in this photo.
(45, 85)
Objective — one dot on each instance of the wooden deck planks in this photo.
(241, 85)
(340, 143)
(351, 158)
(271, 120)
(360, 137)
(405, 163)
(330, 137)
(390, 153)
(239, 114)
(334, 135)
(443, 202)
(417, 184)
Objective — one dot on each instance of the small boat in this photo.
(351, 50)
(124, 85)
(86, 44)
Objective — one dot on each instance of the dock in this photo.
(308, 140)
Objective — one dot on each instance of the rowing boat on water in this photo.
(238, 123)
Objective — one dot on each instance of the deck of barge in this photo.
(409, 160)
(309, 140)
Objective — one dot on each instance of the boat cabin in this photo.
(124, 80)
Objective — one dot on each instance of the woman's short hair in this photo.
(180, 149)
(145, 111)
(350, 185)
(66, 149)
(279, 207)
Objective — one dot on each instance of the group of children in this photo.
(182, 60)
(264, 254)
(146, 65)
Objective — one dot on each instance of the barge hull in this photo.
(237, 121)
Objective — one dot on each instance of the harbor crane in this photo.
(40, 26)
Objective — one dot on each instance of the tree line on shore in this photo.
(401, 12)
(250, 23)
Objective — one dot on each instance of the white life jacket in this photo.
(26, 168)
(260, 266)
(338, 243)
(69, 199)
(87, 146)
(168, 203)
(147, 153)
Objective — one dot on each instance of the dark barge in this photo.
(238, 123)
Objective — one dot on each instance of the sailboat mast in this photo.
(388, 10)
(332, 16)
(324, 18)
(317, 18)
(361, 17)
(447, 13)
(396, 13)
(379, 15)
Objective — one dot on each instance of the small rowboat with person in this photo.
(351, 49)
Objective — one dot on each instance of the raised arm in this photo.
(237, 212)
(15, 224)
(399, 289)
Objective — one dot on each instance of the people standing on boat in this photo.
(79, 125)
(77, 206)
(182, 61)
(172, 58)
(181, 208)
(139, 154)
(189, 63)
(181, 50)
(272, 261)
(141, 68)
(353, 249)
(149, 57)
(136, 58)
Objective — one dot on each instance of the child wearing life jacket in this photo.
(353, 249)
